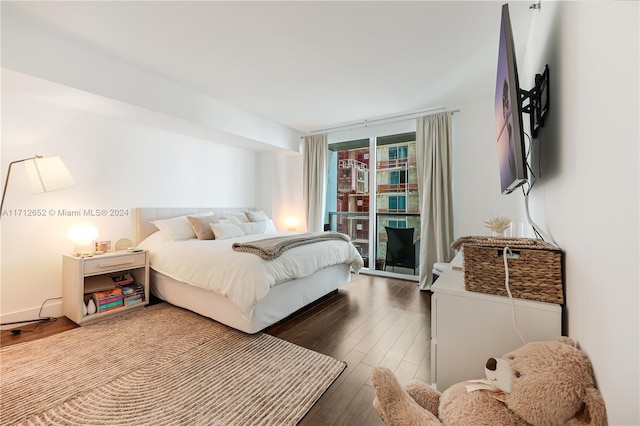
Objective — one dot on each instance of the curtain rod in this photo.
(390, 118)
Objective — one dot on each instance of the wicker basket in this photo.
(535, 268)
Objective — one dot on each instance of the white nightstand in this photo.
(84, 276)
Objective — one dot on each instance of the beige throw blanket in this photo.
(270, 248)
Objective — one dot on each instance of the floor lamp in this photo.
(45, 174)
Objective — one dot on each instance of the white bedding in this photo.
(242, 277)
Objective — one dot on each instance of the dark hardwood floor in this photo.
(35, 331)
(371, 321)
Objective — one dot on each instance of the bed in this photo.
(204, 275)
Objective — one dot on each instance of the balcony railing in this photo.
(356, 225)
(350, 162)
(396, 162)
(403, 212)
(397, 187)
(362, 217)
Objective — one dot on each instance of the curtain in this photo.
(316, 158)
(433, 149)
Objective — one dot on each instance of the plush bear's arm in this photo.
(593, 413)
(393, 403)
(426, 396)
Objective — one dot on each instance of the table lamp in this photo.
(291, 223)
(83, 235)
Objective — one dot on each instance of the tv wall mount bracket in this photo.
(535, 102)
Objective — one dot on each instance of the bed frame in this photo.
(281, 301)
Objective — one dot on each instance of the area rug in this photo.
(161, 365)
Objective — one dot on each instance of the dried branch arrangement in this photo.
(498, 224)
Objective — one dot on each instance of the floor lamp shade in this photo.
(47, 174)
(44, 174)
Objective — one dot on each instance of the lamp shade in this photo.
(47, 174)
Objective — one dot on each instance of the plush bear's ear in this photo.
(567, 341)
(593, 412)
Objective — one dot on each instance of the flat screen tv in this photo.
(512, 160)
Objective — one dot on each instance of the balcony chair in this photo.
(401, 250)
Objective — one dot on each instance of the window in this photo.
(397, 152)
(394, 178)
(397, 177)
(373, 183)
(397, 203)
(398, 224)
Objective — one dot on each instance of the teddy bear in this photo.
(540, 383)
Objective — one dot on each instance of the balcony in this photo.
(356, 225)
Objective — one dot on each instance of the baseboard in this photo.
(52, 308)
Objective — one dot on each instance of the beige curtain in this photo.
(433, 149)
(316, 158)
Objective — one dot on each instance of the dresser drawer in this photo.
(114, 263)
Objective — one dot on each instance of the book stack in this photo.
(133, 294)
(108, 300)
(120, 280)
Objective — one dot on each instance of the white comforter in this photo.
(242, 277)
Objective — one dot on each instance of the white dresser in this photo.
(467, 327)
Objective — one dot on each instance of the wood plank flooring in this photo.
(36, 331)
(369, 322)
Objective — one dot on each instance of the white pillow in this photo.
(270, 227)
(257, 216)
(262, 218)
(178, 228)
(237, 217)
(222, 231)
(252, 228)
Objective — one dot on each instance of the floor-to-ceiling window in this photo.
(372, 187)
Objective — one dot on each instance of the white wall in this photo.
(588, 193)
(280, 189)
(117, 165)
(130, 139)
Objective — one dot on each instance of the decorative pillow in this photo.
(222, 231)
(237, 217)
(257, 216)
(178, 228)
(200, 225)
(252, 228)
(270, 228)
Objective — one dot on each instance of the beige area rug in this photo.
(160, 365)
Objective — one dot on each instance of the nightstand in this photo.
(82, 276)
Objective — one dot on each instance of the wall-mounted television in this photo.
(512, 160)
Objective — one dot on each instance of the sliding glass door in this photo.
(372, 196)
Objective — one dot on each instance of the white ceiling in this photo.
(307, 65)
